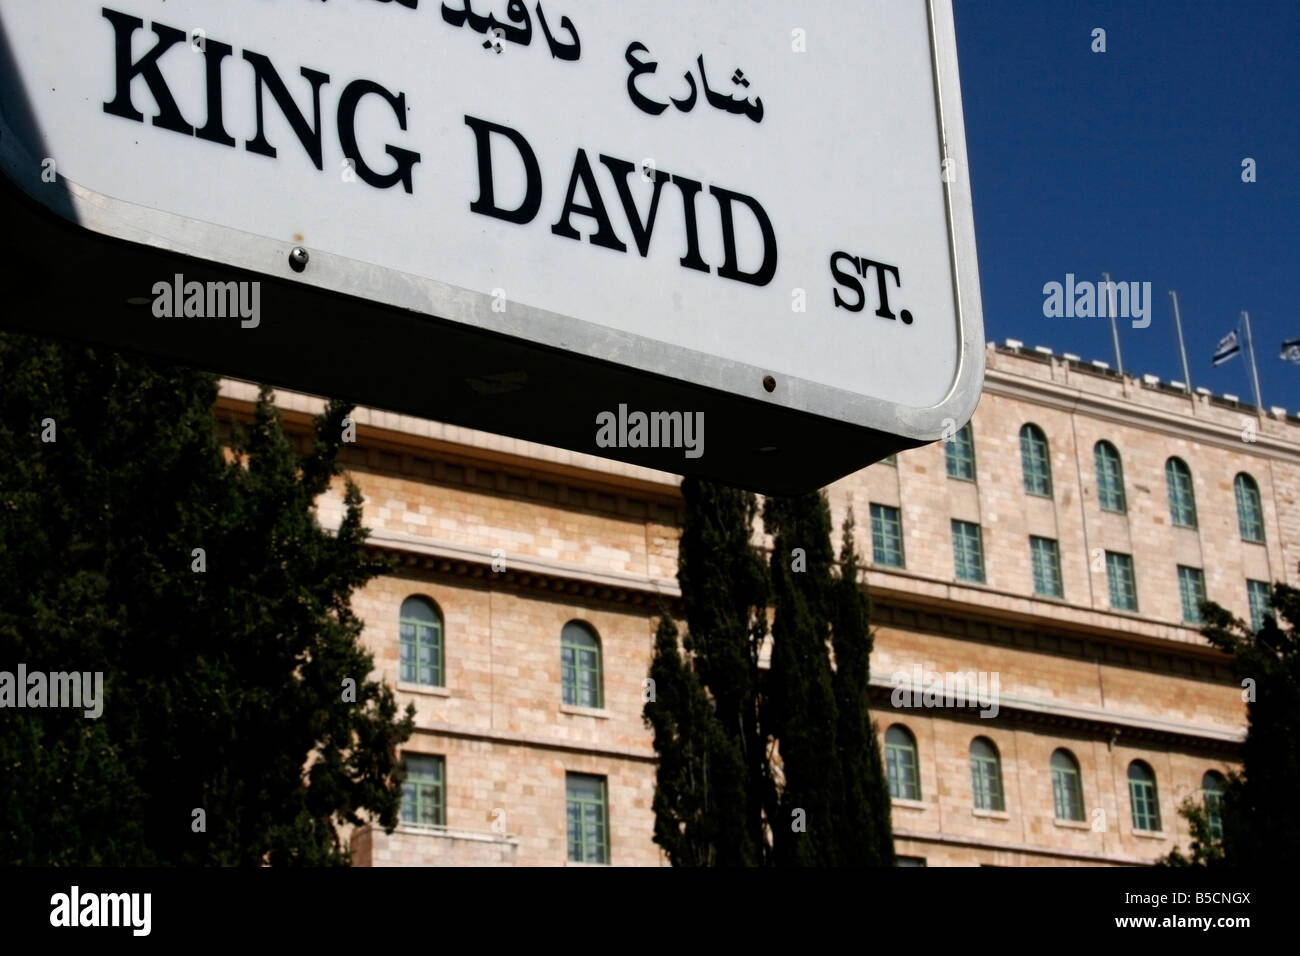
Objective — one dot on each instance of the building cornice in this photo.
(948, 839)
(1128, 412)
(1106, 725)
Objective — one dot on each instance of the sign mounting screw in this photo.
(298, 259)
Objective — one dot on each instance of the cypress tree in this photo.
(799, 704)
(224, 672)
(700, 776)
(863, 832)
(713, 774)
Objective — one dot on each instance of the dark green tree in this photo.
(863, 832)
(700, 775)
(225, 669)
(1258, 822)
(799, 706)
(713, 773)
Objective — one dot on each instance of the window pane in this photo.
(422, 791)
(1120, 580)
(1191, 590)
(960, 454)
(1035, 461)
(1257, 592)
(968, 552)
(586, 814)
(1047, 566)
(900, 765)
(1110, 477)
(886, 536)
(420, 654)
(1250, 517)
(1182, 501)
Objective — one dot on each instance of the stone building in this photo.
(1040, 568)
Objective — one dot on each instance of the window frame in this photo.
(959, 454)
(1213, 800)
(879, 537)
(1067, 786)
(578, 668)
(1035, 461)
(986, 777)
(959, 553)
(1246, 491)
(416, 783)
(1055, 569)
(582, 801)
(1182, 500)
(893, 770)
(1130, 580)
(1191, 615)
(438, 665)
(1110, 477)
(1259, 612)
(1144, 798)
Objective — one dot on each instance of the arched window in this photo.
(1110, 477)
(580, 665)
(1035, 461)
(1250, 513)
(1067, 786)
(959, 451)
(1182, 499)
(1143, 797)
(901, 764)
(1212, 787)
(421, 642)
(986, 775)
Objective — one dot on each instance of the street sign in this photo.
(732, 239)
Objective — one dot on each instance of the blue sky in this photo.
(1129, 162)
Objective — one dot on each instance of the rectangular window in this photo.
(968, 551)
(421, 652)
(423, 798)
(900, 769)
(1146, 812)
(1047, 566)
(960, 454)
(1214, 813)
(580, 672)
(588, 811)
(1067, 795)
(986, 783)
(909, 861)
(1257, 592)
(1191, 588)
(1119, 577)
(886, 536)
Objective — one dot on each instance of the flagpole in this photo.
(1182, 348)
(1250, 344)
(1114, 329)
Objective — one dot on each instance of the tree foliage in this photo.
(1258, 823)
(776, 766)
(223, 687)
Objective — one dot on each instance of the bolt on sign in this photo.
(732, 239)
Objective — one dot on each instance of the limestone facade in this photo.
(511, 541)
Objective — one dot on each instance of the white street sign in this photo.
(765, 199)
